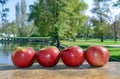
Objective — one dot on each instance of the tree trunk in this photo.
(55, 39)
(102, 39)
(56, 36)
(115, 38)
(73, 38)
(58, 41)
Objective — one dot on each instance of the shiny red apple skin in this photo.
(97, 55)
(73, 56)
(48, 57)
(23, 57)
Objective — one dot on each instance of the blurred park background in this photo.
(64, 22)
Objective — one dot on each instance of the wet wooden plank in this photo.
(109, 71)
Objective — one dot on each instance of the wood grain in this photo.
(109, 71)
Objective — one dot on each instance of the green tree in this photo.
(10, 28)
(101, 30)
(18, 18)
(31, 30)
(23, 18)
(13, 28)
(87, 30)
(73, 18)
(116, 27)
(3, 11)
(45, 16)
(58, 18)
(100, 9)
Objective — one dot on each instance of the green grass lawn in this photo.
(114, 51)
(90, 42)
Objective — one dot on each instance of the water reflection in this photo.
(7, 48)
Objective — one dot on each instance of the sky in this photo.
(115, 11)
(89, 2)
(11, 5)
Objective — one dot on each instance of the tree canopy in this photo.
(3, 10)
(100, 9)
(61, 18)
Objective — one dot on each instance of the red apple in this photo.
(73, 56)
(97, 55)
(48, 56)
(23, 57)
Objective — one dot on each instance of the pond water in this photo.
(6, 49)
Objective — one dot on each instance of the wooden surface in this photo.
(109, 71)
